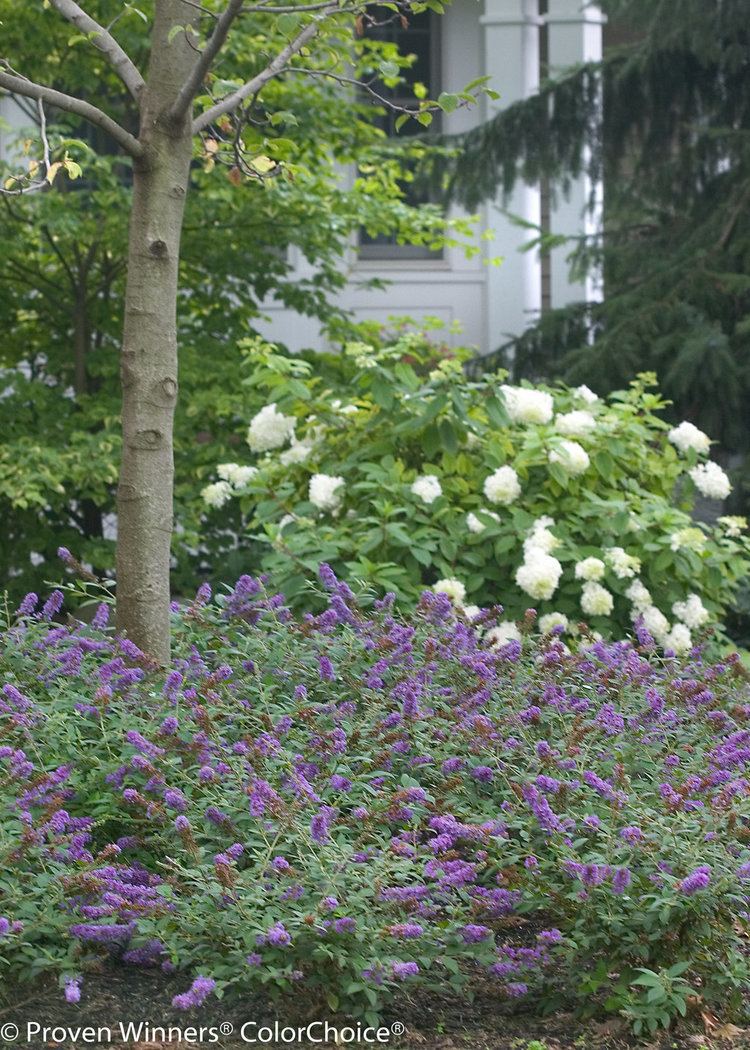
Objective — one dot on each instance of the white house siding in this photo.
(499, 38)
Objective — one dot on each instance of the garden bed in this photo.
(356, 813)
(432, 1022)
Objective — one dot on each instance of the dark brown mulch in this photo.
(119, 996)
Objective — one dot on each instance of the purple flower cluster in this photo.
(354, 786)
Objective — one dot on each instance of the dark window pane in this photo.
(420, 38)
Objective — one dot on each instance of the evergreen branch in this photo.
(252, 87)
(215, 42)
(125, 68)
(17, 85)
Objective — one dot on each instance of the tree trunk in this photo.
(149, 350)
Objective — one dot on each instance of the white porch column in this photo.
(511, 56)
(574, 35)
(12, 119)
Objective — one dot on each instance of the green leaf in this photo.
(288, 24)
(447, 102)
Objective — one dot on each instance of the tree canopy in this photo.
(664, 120)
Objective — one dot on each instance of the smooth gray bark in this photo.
(149, 350)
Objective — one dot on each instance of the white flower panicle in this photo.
(297, 452)
(596, 600)
(269, 429)
(585, 394)
(639, 595)
(623, 565)
(503, 486)
(571, 456)
(470, 611)
(678, 639)
(549, 621)
(590, 569)
(733, 524)
(475, 524)
(539, 574)
(691, 537)
(325, 491)
(575, 424)
(235, 474)
(506, 631)
(217, 494)
(427, 488)
(527, 406)
(540, 537)
(687, 436)
(654, 621)
(345, 410)
(692, 612)
(711, 481)
(453, 588)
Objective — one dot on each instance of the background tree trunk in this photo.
(149, 351)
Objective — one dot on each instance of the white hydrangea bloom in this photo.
(540, 537)
(654, 621)
(527, 406)
(590, 569)
(571, 456)
(623, 565)
(470, 611)
(269, 429)
(692, 612)
(678, 639)
(297, 452)
(596, 600)
(711, 481)
(733, 524)
(453, 588)
(506, 631)
(539, 575)
(639, 595)
(345, 410)
(575, 424)
(585, 394)
(235, 474)
(549, 621)
(691, 537)
(427, 488)
(325, 491)
(687, 436)
(503, 486)
(475, 524)
(217, 494)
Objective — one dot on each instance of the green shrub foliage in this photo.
(401, 471)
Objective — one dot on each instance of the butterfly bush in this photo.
(332, 808)
(550, 496)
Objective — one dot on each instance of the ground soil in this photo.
(120, 994)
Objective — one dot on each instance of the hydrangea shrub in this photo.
(517, 495)
(333, 808)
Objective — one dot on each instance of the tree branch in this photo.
(126, 70)
(293, 9)
(190, 88)
(273, 69)
(20, 86)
